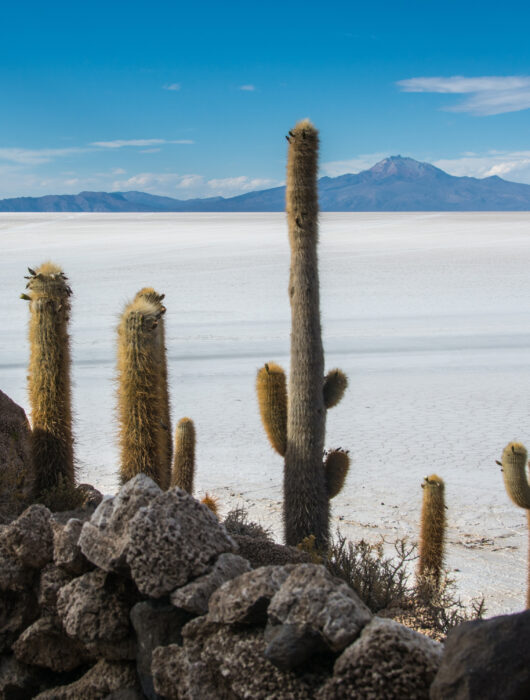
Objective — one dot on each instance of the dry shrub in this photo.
(64, 496)
(237, 523)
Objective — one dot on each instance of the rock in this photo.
(486, 660)
(14, 576)
(66, 551)
(107, 679)
(92, 497)
(246, 598)
(172, 540)
(18, 681)
(52, 578)
(17, 611)
(30, 537)
(387, 661)
(262, 552)
(194, 596)
(45, 644)
(156, 624)
(104, 540)
(315, 610)
(16, 472)
(94, 609)
(222, 662)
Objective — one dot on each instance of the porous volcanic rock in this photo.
(173, 540)
(111, 680)
(19, 681)
(66, 550)
(52, 578)
(263, 552)
(17, 611)
(105, 539)
(45, 644)
(30, 537)
(388, 661)
(16, 472)
(246, 598)
(14, 576)
(195, 595)
(486, 660)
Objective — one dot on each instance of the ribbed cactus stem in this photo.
(336, 468)
(271, 388)
(432, 534)
(335, 384)
(49, 378)
(184, 459)
(306, 504)
(514, 466)
(138, 391)
(165, 433)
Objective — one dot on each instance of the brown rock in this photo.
(30, 537)
(107, 679)
(16, 473)
(66, 551)
(45, 644)
(52, 578)
(19, 681)
(17, 611)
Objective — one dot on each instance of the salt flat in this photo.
(427, 313)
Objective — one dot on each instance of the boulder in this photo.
(16, 472)
(14, 576)
(91, 496)
(104, 539)
(112, 680)
(486, 660)
(52, 578)
(387, 661)
(194, 596)
(173, 540)
(45, 644)
(263, 552)
(66, 550)
(30, 537)
(312, 610)
(17, 611)
(246, 598)
(156, 624)
(94, 609)
(19, 681)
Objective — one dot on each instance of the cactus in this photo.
(165, 434)
(138, 391)
(295, 421)
(49, 378)
(336, 466)
(514, 463)
(432, 535)
(184, 459)
(212, 503)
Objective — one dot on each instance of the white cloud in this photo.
(28, 156)
(353, 165)
(188, 186)
(172, 86)
(138, 143)
(247, 88)
(510, 165)
(488, 94)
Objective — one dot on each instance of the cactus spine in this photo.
(165, 435)
(514, 463)
(432, 534)
(184, 460)
(49, 378)
(138, 391)
(295, 421)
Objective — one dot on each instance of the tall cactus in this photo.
(295, 424)
(139, 399)
(183, 473)
(49, 378)
(432, 534)
(514, 463)
(166, 438)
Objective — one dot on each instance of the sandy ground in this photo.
(427, 313)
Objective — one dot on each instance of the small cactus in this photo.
(49, 378)
(432, 534)
(335, 384)
(514, 464)
(211, 502)
(184, 458)
(272, 399)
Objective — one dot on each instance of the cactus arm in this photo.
(271, 389)
(335, 384)
(336, 468)
(183, 474)
(514, 460)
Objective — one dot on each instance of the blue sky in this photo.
(194, 100)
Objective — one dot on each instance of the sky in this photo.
(195, 99)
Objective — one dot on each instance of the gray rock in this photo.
(45, 644)
(486, 660)
(172, 540)
(104, 540)
(194, 596)
(388, 661)
(14, 576)
(52, 578)
(246, 598)
(30, 537)
(156, 624)
(316, 609)
(94, 609)
(16, 471)
(66, 550)
(107, 679)
(17, 611)
(19, 681)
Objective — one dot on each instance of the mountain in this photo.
(393, 184)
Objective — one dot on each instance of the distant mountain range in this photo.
(393, 184)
